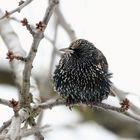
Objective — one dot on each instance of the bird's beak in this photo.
(66, 50)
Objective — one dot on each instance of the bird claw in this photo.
(69, 102)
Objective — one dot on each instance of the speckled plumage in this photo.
(82, 74)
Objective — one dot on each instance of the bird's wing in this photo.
(102, 63)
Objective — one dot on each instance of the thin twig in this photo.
(29, 27)
(14, 128)
(135, 109)
(49, 11)
(108, 107)
(5, 125)
(48, 38)
(54, 46)
(51, 103)
(4, 102)
(28, 132)
(18, 9)
(33, 29)
(13, 44)
(121, 95)
(64, 24)
(40, 117)
(132, 116)
(32, 53)
(37, 134)
(56, 51)
(55, 102)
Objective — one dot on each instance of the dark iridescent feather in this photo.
(82, 74)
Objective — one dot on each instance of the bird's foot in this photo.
(92, 104)
(69, 102)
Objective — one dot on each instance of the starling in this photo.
(82, 74)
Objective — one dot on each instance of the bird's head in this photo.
(81, 46)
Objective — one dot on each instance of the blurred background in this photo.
(114, 27)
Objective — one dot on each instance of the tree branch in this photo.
(114, 90)
(5, 125)
(18, 9)
(56, 102)
(28, 132)
(4, 102)
(28, 65)
(14, 128)
(12, 42)
(65, 25)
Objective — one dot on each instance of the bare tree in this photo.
(30, 103)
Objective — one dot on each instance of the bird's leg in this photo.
(69, 102)
(92, 104)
